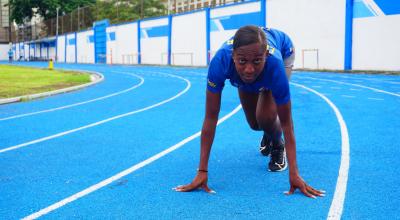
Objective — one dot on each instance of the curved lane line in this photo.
(336, 209)
(102, 121)
(352, 84)
(123, 173)
(79, 103)
(375, 79)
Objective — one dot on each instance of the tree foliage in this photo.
(24, 10)
(127, 10)
(115, 10)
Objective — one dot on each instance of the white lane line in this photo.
(376, 99)
(357, 85)
(353, 89)
(335, 87)
(123, 173)
(100, 122)
(79, 103)
(336, 209)
(348, 96)
(366, 78)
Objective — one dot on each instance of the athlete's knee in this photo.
(254, 126)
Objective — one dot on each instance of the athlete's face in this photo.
(249, 61)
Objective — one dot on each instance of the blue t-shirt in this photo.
(272, 78)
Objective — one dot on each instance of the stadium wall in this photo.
(376, 34)
(26, 51)
(327, 34)
(70, 47)
(61, 48)
(52, 52)
(154, 41)
(225, 20)
(4, 51)
(16, 51)
(85, 46)
(188, 34)
(122, 43)
(317, 29)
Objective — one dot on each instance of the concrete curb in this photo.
(95, 78)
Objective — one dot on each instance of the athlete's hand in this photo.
(296, 182)
(199, 182)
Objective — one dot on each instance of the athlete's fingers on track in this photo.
(181, 188)
(314, 191)
(207, 189)
(291, 191)
(186, 188)
(304, 190)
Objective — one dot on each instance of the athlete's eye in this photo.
(257, 61)
(242, 61)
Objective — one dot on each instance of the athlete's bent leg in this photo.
(267, 117)
(249, 104)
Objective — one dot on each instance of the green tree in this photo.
(128, 10)
(24, 10)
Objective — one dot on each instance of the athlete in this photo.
(258, 61)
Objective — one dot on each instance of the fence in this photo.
(117, 11)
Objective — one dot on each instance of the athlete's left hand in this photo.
(296, 182)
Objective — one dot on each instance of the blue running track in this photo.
(116, 149)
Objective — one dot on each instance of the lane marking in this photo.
(337, 202)
(336, 209)
(348, 96)
(102, 121)
(79, 103)
(376, 99)
(357, 85)
(123, 173)
(371, 78)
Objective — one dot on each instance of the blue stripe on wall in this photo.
(360, 10)
(233, 22)
(100, 40)
(138, 42)
(348, 41)
(71, 41)
(90, 38)
(389, 7)
(111, 36)
(213, 26)
(263, 13)
(169, 38)
(208, 44)
(159, 31)
(76, 49)
(65, 48)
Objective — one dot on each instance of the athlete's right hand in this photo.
(199, 182)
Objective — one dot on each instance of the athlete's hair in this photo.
(249, 34)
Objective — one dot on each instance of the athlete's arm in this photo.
(213, 104)
(285, 117)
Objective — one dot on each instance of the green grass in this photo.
(18, 81)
